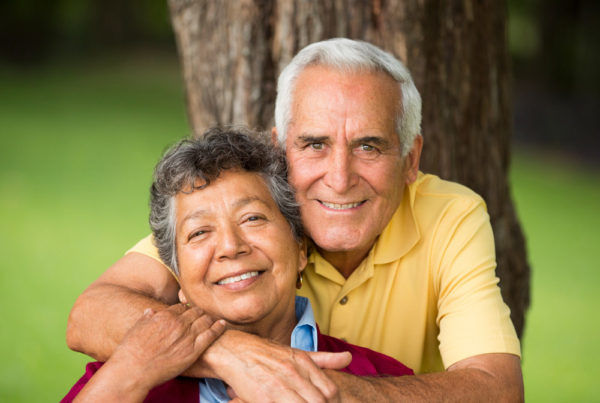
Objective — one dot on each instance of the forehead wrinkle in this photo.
(247, 200)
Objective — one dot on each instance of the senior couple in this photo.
(399, 262)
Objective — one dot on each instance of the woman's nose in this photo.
(231, 243)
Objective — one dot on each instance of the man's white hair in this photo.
(348, 55)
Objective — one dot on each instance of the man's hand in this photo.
(259, 370)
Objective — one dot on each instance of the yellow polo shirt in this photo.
(427, 293)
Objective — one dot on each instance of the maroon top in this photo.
(365, 362)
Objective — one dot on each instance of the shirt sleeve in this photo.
(472, 317)
(146, 247)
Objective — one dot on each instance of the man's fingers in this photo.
(331, 360)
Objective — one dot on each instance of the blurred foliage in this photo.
(33, 31)
(555, 48)
(556, 43)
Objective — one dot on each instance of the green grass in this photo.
(77, 147)
(559, 206)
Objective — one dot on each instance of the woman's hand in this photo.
(164, 344)
(158, 348)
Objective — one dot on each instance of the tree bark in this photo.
(232, 53)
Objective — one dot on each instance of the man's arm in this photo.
(113, 303)
(486, 377)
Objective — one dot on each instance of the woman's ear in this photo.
(182, 297)
(302, 260)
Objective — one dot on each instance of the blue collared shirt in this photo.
(304, 337)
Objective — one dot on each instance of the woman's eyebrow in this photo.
(194, 214)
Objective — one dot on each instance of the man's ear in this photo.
(274, 135)
(182, 297)
(413, 159)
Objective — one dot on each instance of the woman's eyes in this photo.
(255, 218)
(196, 234)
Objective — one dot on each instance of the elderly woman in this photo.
(226, 222)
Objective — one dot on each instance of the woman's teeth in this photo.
(235, 279)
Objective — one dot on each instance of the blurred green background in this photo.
(91, 94)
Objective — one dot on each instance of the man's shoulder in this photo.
(439, 204)
(432, 186)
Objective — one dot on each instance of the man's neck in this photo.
(344, 262)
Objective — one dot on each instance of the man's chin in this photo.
(337, 242)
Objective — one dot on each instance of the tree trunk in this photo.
(232, 53)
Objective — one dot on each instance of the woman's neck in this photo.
(274, 329)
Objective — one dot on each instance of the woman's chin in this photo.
(245, 317)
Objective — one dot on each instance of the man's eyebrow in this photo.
(310, 138)
(377, 140)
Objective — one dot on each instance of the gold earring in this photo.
(299, 281)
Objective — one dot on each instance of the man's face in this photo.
(345, 158)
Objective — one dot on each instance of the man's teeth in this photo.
(241, 277)
(336, 206)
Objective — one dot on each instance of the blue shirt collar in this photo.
(304, 337)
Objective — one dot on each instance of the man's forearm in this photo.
(460, 385)
(102, 315)
(109, 307)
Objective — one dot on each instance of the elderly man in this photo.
(401, 262)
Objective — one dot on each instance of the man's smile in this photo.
(338, 206)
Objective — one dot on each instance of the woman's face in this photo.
(238, 259)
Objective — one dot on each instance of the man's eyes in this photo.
(316, 146)
(366, 147)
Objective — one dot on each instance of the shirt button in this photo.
(344, 300)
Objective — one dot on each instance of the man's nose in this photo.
(231, 243)
(341, 175)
